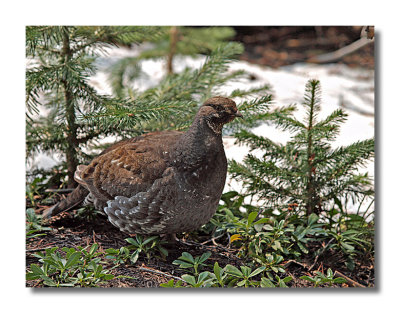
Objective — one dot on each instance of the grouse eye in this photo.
(219, 108)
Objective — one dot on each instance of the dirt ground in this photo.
(68, 230)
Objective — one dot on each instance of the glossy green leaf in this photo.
(252, 216)
(189, 279)
(134, 257)
(257, 271)
(73, 259)
(132, 242)
(308, 278)
(266, 283)
(204, 256)
(182, 264)
(340, 280)
(217, 271)
(94, 248)
(152, 238)
(203, 276)
(245, 271)
(230, 269)
(108, 276)
(263, 220)
(187, 257)
(163, 251)
(312, 218)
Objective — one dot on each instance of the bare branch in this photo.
(338, 54)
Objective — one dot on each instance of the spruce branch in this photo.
(306, 169)
(61, 62)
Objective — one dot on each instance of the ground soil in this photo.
(70, 230)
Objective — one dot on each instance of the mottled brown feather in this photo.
(131, 167)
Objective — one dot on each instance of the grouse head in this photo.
(218, 111)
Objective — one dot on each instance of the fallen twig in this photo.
(295, 262)
(66, 190)
(338, 54)
(159, 272)
(349, 280)
(212, 240)
(36, 250)
(214, 246)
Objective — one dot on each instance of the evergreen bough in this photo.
(306, 171)
(173, 103)
(173, 41)
(62, 61)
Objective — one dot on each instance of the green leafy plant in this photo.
(172, 284)
(224, 277)
(33, 189)
(242, 277)
(229, 276)
(270, 282)
(148, 246)
(204, 279)
(347, 241)
(320, 278)
(187, 261)
(246, 231)
(271, 261)
(309, 231)
(88, 213)
(73, 268)
(118, 256)
(219, 275)
(201, 280)
(258, 238)
(34, 226)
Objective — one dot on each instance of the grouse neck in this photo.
(197, 146)
(205, 126)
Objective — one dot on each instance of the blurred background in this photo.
(277, 46)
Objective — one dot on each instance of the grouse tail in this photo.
(74, 198)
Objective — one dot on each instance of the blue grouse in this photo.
(162, 182)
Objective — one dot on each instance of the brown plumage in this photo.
(162, 182)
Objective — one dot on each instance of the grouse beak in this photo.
(238, 114)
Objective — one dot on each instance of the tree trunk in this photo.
(72, 142)
(173, 39)
(310, 194)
